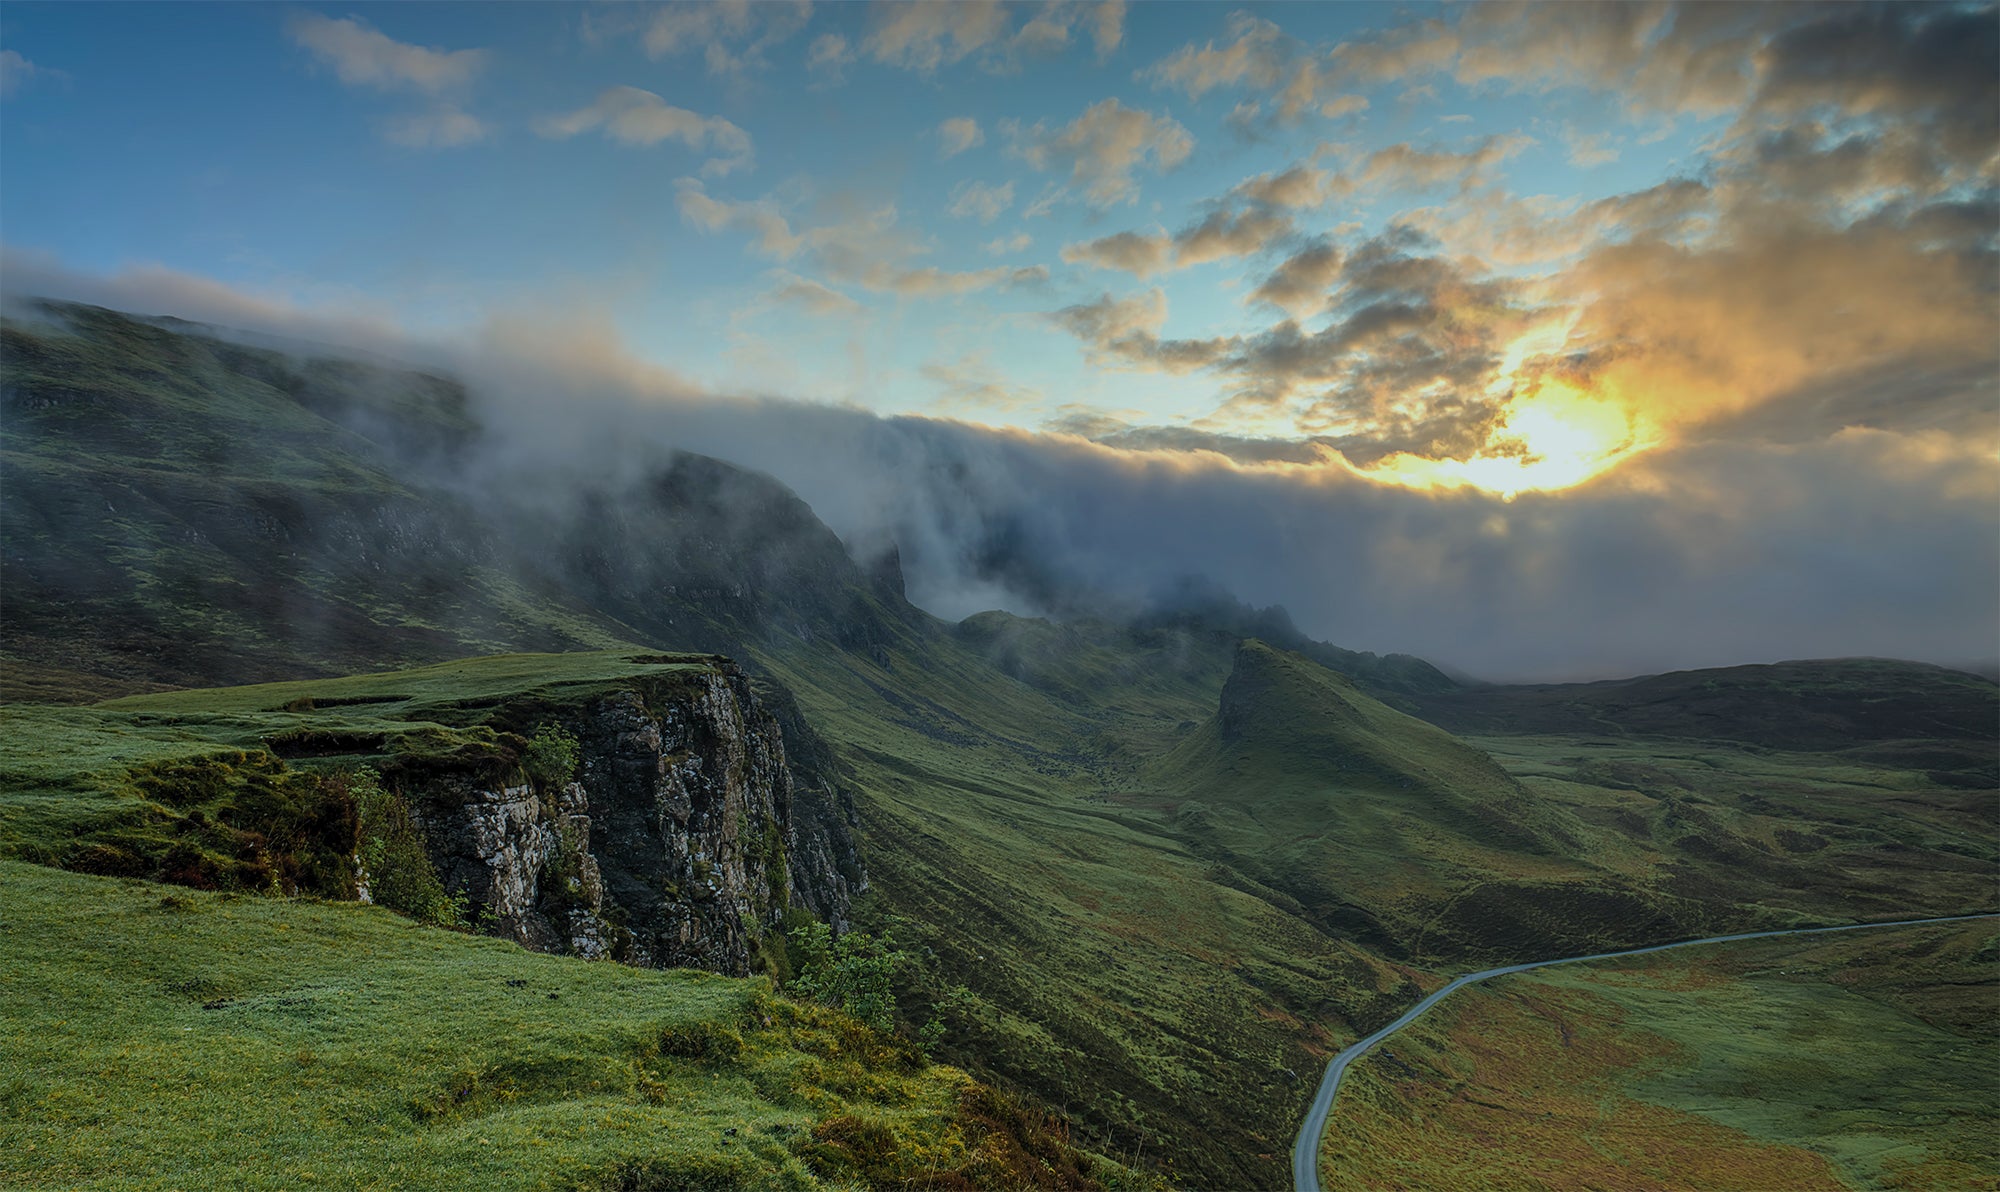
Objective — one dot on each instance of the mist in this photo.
(1716, 552)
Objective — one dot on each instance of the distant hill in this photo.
(1941, 719)
(1372, 819)
(182, 510)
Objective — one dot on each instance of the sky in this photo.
(1553, 340)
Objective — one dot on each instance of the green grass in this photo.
(71, 778)
(1864, 1060)
(1119, 973)
(161, 1038)
(1142, 937)
(1798, 836)
(1165, 931)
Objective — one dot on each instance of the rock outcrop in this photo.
(681, 843)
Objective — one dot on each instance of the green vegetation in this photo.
(158, 1038)
(196, 788)
(391, 850)
(852, 973)
(1147, 875)
(551, 756)
(1861, 1060)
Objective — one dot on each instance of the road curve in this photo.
(1305, 1152)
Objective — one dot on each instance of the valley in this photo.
(1146, 873)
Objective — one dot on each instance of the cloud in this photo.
(814, 298)
(631, 116)
(1104, 147)
(978, 200)
(923, 37)
(1261, 58)
(1715, 551)
(1107, 27)
(1403, 166)
(732, 35)
(958, 134)
(1301, 285)
(971, 383)
(1005, 245)
(1343, 105)
(17, 72)
(1589, 149)
(1298, 186)
(931, 281)
(829, 56)
(1257, 57)
(1138, 253)
(1117, 331)
(859, 246)
(762, 221)
(1812, 283)
(442, 128)
(1916, 64)
(363, 57)
(1220, 235)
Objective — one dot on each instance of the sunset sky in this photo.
(1715, 279)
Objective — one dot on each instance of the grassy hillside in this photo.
(1851, 1061)
(1866, 832)
(108, 788)
(1382, 827)
(1172, 875)
(161, 1038)
(1820, 705)
(1122, 975)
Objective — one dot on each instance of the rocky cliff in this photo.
(683, 839)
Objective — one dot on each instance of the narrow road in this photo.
(1305, 1153)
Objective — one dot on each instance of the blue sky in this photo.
(257, 145)
(1549, 339)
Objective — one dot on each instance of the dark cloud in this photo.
(1932, 66)
(1757, 547)
(1219, 235)
(1301, 285)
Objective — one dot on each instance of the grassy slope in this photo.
(1862, 1060)
(153, 1038)
(1131, 945)
(1132, 970)
(186, 510)
(66, 776)
(1118, 973)
(1814, 705)
(1868, 832)
(1128, 960)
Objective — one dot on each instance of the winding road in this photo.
(1305, 1153)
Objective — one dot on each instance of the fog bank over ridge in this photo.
(1709, 552)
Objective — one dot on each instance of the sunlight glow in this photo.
(1555, 435)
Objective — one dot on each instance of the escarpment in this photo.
(681, 839)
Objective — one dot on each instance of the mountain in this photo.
(1152, 869)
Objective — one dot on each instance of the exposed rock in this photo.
(522, 861)
(681, 843)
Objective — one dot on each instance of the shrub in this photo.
(400, 874)
(551, 757)
(851, 973)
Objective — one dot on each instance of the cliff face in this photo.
(683, 839)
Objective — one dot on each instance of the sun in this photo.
(1554, 434)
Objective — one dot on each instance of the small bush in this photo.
(400, 874)
(852, 973)
(551, 756)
